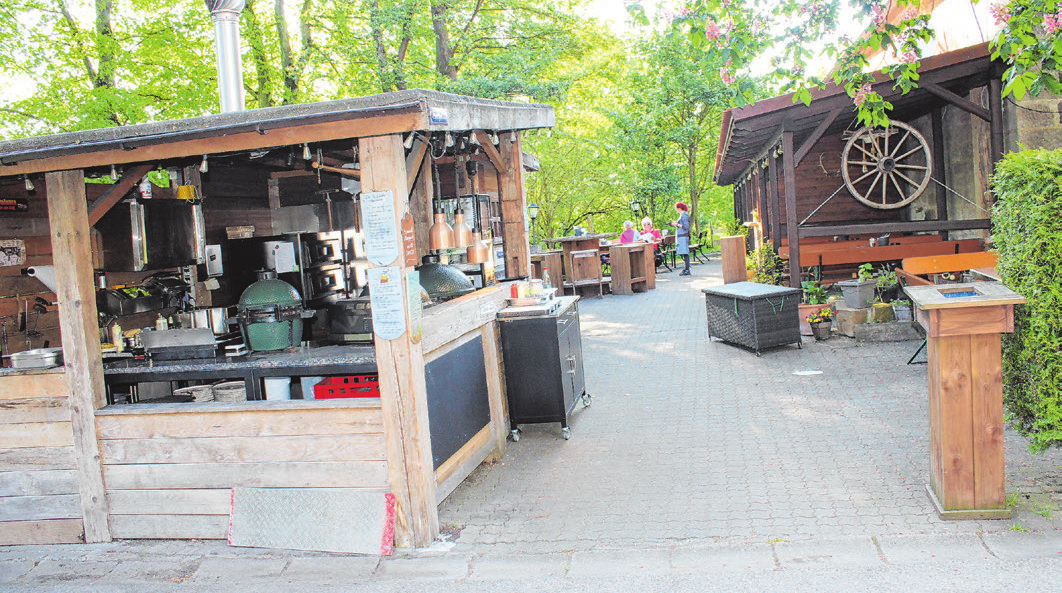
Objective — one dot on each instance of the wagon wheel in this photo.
(887, 168)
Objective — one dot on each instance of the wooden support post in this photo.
(511, 190)
(400, 364)
(939, 173)
(792, 223)
(772, 202)
(68, 219)
(995, 108)
(420, 205)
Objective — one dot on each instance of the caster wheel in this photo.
(587, 400)
(566, 432)
(515, 435)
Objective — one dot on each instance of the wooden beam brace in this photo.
(68, 220)
(116, 192)
(496, 157)
(414, 159)
(960, 102)
(815, 135)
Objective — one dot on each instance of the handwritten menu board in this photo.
(388, 306)
(382, 241)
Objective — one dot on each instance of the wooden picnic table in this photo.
(577, 243)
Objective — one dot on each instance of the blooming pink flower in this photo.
(726, 75)
(711, 30)
(879, 15)
(1053, 22)
(1001, 13)
(909, 56)
(909, 14)
(861, 95)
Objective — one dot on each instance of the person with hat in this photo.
(682, 236)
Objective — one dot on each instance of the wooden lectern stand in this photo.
(963, 324)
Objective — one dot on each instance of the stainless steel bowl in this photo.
(38, 358)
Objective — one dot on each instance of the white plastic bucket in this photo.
(277, 388)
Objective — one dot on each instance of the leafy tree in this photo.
(1030, 43)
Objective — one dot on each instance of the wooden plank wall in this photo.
(39, 499)
(169, 470)
(817, 177)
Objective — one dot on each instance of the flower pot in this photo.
(857, 294)
(902, 312)
(821, 330)
(805, 310)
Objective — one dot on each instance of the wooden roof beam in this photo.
(816, 134)
(956, 100)
(492, 151)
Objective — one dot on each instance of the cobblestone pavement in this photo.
(690, 441)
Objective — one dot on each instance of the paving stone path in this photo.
(690, 441)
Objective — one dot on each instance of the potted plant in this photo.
(859, 293)
(764, 265)
(901, 308)
(813, 298)
(887, 285)
(821, 322)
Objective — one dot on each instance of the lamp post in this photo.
(636, 206)
(532, 212)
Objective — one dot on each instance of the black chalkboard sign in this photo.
(458, 403)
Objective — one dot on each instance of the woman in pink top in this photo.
(628, 235)
(647, 229)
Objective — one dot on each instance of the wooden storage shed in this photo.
(76, 467)
(819, 186)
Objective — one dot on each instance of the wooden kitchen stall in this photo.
(342, 197)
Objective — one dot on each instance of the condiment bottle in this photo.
(116, 338)
(545, 278)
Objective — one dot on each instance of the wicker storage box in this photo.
(753, 315)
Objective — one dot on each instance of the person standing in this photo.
(682, 236)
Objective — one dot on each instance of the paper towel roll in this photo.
(45, 274)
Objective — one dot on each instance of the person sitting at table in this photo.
(649, 234)
(628, 235)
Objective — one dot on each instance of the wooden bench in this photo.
(912, 269)
(848, 252)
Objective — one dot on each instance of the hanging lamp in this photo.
(462, 231)
(478, 252)
(440, 235)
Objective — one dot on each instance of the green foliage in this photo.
(814, 292)
(865, 272)
(768, 266)
(796, 32)
(1027, 225)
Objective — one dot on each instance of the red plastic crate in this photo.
(352, 386)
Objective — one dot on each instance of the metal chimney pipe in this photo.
(226, 17)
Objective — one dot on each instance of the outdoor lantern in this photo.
(636, 206)
(532, 213)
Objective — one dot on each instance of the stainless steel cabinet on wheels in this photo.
(543, 353)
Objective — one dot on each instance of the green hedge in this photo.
(1027, 223)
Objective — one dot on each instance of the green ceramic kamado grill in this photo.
(270, 314)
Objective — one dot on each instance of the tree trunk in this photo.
(691, 162)
(287, 61)
(383, 71)
(443, 52)
(105, 45)
(263, 92)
